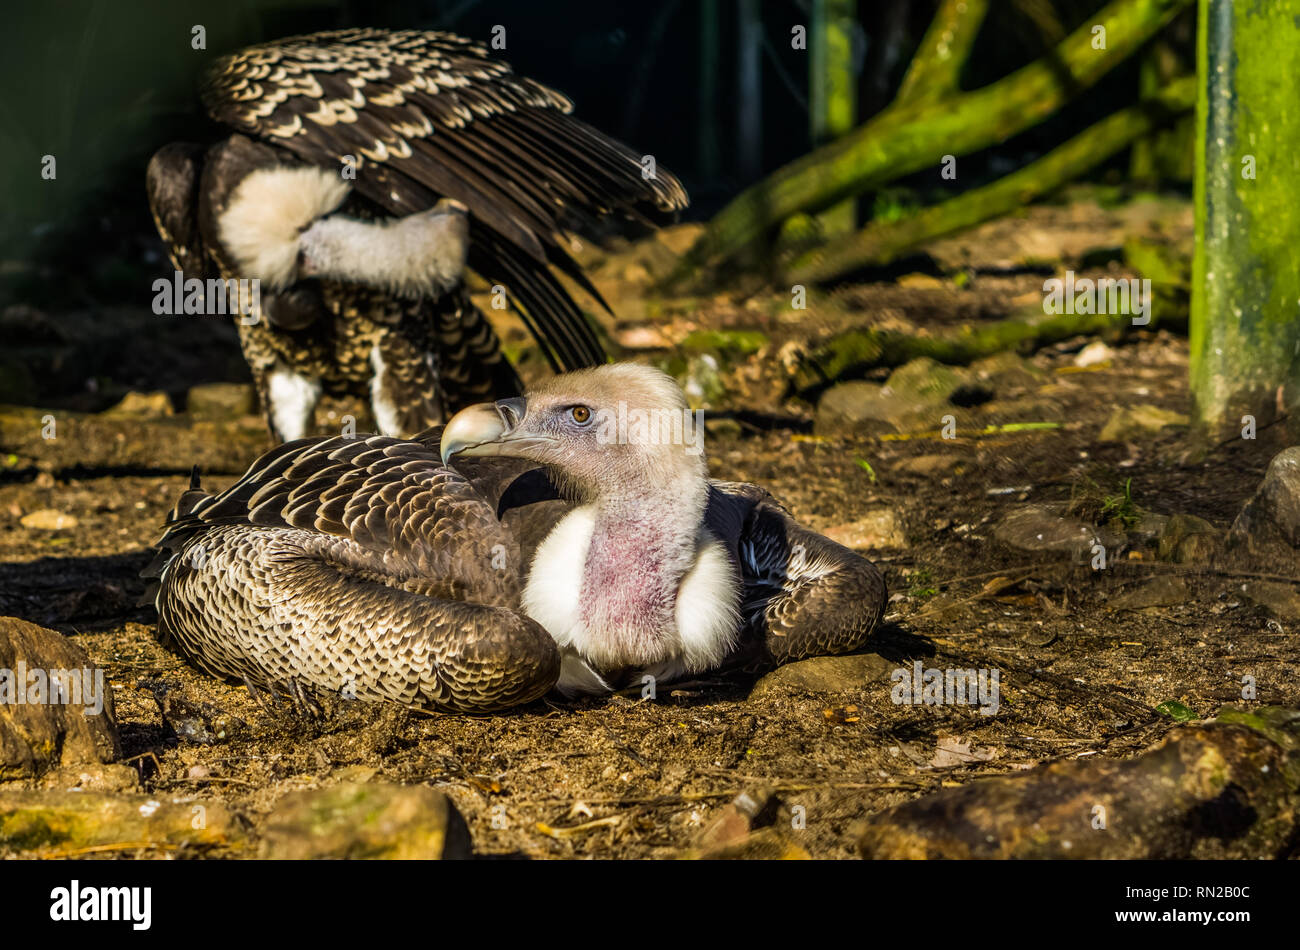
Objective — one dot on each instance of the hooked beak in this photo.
(490, 428)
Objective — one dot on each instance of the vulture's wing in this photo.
(172, 183)
(431, 114)
(407, 515)
(362, 566)
(804, 595)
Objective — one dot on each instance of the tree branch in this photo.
(881, 242)
(906, 138)
(943, 51)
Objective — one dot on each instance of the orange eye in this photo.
(580, 414)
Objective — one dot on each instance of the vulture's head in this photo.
(610, 430)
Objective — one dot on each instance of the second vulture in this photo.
(570, 539)
(368, 168)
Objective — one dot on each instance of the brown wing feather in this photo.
(432, 114)
(408, 515)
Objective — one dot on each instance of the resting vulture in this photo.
(570, 539)
(367, 169)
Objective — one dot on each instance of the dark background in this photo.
(101, 85)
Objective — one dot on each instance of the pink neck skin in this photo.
(644, 542)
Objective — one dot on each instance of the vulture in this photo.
(571, 539)
(363, 172)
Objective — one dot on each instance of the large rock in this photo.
(42, 727)
(916, 395)
(1008, 370)
(1188, 539)
(827, 674)
(135, 404)
(373, 820)
(1272, 515)
(1041, 529)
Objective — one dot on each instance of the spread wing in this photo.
(427, 115)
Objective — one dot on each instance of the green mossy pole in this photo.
(1245, 319)
(833, 92)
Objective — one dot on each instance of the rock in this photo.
(1096, 353)
(1138, 422)
(374, 820)
(1163, 590)
(1187, 539)
(1007, 370)
(47, 519)
(925, 381)
(1149, 528)
(1039, 529)
(1225, 790)
(1280, 600)
(916, 395)
(847, 406)
(827, 674)
(37, 732)
(220, 401)
(1273, 513)
(62, 822)
(142, 404)
(880, 528)
(930, 465)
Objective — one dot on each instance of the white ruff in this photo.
(261, 224)
(707, 611)
(421, 255)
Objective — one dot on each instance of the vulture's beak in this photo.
(490, 428)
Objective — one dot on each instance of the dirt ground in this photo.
(1078, 677)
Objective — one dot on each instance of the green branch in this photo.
(881, 242)
(906, 138)
(936, 67)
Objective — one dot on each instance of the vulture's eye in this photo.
(581, 414)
